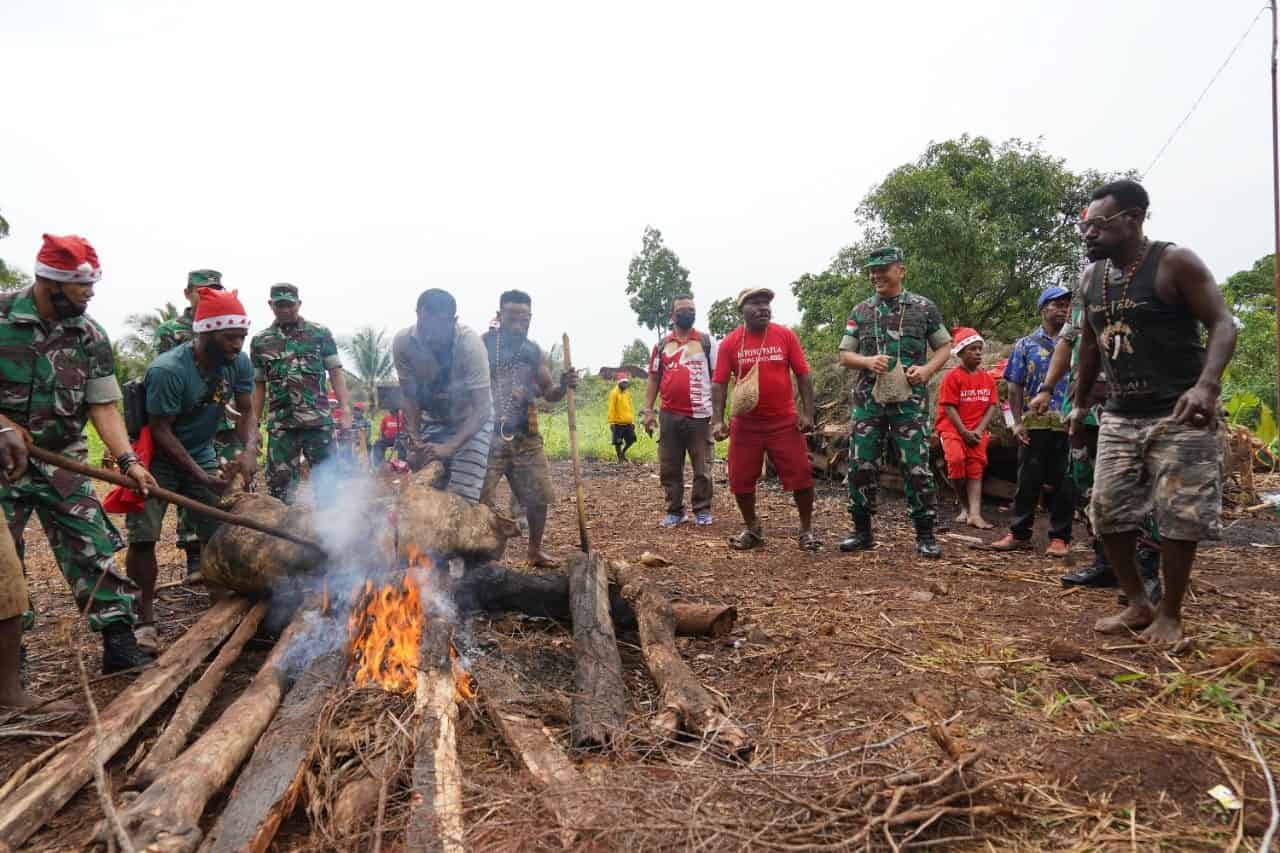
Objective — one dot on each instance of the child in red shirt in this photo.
(967, 401)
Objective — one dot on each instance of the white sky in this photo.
(366, 151)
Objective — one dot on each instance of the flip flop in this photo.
(809, 541)
(746, 540)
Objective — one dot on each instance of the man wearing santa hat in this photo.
(57, 371)
(188, 389)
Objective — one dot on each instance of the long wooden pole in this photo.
(59, 461)
(1275, 180)
(573, 448)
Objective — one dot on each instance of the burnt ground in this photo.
(1100, 743)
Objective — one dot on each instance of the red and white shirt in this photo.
(779, 354)
(685, 369)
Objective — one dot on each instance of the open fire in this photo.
(386, 628)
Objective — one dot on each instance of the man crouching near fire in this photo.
(443, 369)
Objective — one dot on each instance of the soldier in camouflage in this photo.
(170, 334)
(886, 339)
(290, 359)
(57, 371)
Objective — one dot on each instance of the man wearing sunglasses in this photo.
(1159, 443)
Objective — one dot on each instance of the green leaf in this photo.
(1126, 677)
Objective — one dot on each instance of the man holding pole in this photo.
(59, 373)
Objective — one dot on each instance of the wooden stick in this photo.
(599, 710)
(176, 732)
(60, 461)
(565, 794)
(166, 816)
(268, 788)
(27, 807)
(573, 449)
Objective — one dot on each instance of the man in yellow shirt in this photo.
(622, 417)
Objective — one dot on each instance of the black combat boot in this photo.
(1100, 574)
(120, 649)
(926, 545)
(862, 539)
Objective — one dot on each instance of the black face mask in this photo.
(684, 319)
(63, 307)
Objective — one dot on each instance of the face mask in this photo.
(684, 319)
(63, 307)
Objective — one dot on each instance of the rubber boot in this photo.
(926, 545)
(862, 538)
(120, 649)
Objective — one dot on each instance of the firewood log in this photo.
(28, 806)
(165, 817)
(174, 737)
(599, 710)
(687, 706)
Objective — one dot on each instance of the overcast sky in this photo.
(366, 151)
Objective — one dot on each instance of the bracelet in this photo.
(126, 460)
(3, 430)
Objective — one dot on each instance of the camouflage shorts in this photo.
(1158, 467)
(524, 463)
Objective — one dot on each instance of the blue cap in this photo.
(1050, 294)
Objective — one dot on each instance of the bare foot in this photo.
(980, 522)
(962, 518)
(1133, 618)
(1164, 631)
(542, 560)
(24, 701)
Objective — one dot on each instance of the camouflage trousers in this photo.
(1081, 472)
(227, 448)
(285, 448)
(901, 426)
(82, 538)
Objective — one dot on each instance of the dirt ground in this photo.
(840, 666)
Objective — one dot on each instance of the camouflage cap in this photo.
(204, 278)
(886, 256)
(284, 292)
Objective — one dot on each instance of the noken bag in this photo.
(746, 392)
(892, 385)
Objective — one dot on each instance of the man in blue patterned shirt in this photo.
(1045, 451)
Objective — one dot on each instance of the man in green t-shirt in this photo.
(187, 390)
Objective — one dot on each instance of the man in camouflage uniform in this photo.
(57, 371)
(170, 334)
(886, 339)
(290, 359)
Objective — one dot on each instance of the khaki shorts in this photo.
(145, 526)
(1153, 465)
(13, 585)
(524, 463)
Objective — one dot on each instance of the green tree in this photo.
(654, 279)
(636, 352)
(984, 227)
(723, 317)
(10, 278)
(1251, 296)
(371, 361)
(141, 340)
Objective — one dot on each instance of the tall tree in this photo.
(1251, 296)
(141, 341)
(635, 352)
(371, 361)
(723, 317)
(654, 279)
(984, 226)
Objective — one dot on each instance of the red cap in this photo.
(68, 258)
(219, 310)
(963, 336)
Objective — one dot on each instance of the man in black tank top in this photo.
(1160, 442)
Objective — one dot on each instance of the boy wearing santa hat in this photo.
(967, 401)
(188, 389)
(58, 373)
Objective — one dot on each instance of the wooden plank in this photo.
(599, 710)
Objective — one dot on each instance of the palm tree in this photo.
(370, 359)
(142, 341)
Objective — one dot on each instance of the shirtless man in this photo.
(1160, 445)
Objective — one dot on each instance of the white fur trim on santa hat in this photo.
(220, 323)
(86, 273)
(964, 342)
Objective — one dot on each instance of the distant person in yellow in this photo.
(622, 417)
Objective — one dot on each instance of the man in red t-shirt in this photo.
(967, 401)
(680, 368)
(388, 430)
(770, 353)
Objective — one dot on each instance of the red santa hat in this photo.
(962, 337)
(219, 310)
(68, 258)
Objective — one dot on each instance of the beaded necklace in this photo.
(1116, 334)
(504, 423)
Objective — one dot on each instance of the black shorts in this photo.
(623, 433)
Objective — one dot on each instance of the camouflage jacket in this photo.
(176, 331)
(50, 373)
(880, 327)
(292, 362)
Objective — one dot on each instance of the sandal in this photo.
(751, 537)
(809, 541)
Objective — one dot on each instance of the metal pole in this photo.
(1275, 178)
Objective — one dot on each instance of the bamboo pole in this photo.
(573, 449)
